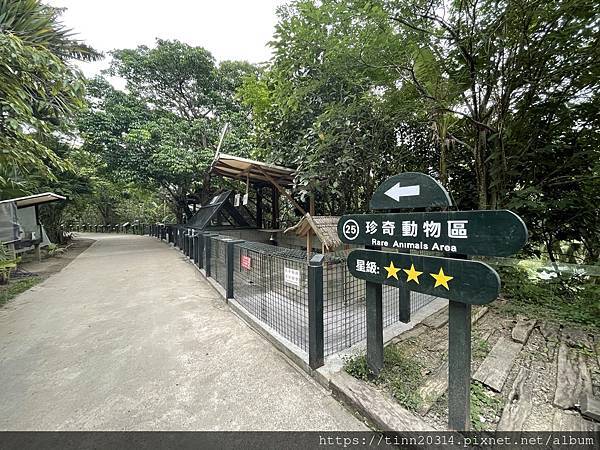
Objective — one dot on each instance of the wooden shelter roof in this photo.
(255, 171)
(324, 227)
(36, 199)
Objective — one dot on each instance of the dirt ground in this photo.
(539, 358)
(54, 264)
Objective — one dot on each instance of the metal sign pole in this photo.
(404, 304)
(374, 327)
(374, 303)
(459, 366)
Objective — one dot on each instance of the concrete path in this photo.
(130, 337)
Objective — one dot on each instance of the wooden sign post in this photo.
(463, 282)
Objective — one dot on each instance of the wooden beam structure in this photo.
(283, 191)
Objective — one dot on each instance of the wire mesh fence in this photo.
(218, 270)
(344, 308)
(271, 283)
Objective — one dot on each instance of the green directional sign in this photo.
(464, 281)
(489, 233)
(410, 190)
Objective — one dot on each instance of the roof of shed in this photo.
(256, 171)
(36, 199)
(325, 227)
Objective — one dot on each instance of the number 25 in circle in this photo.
(350, 230)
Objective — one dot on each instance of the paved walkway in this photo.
(130, 337)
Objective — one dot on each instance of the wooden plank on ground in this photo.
(550, 331)
(384, 412)
(438, 319)
(519, 404)
(590, 407)
(572, 377)
(434, 387)
(567, 421)
(522, 329)
(412, 333)
(495, 368)
(576, 338)
(478, 313)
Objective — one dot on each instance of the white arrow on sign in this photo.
(397, 191)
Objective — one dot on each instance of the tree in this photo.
(164, 130)
(319, 109)
(496, 99)
(39, 91)
(523, 89)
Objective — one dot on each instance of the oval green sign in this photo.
(460, 280)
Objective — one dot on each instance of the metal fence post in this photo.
(229, 255)
(315, 312)
(195, 240)
(207, 249)
(200, 250)
(188, 241)
(191, 249)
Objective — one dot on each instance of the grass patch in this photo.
(483, 406)
(480, 348)
(16, 287)
(565, 299)
(401, 375)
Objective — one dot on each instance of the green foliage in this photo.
(480, 348)
(39, 91)
(401, 375)
(7, 263)
(497, 100)
(17, 287)
(163, 132)
(568, 299)
(320, 109)
(358, 368)
(483, 405)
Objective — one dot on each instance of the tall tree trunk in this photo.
(480, 169)
(443, 165)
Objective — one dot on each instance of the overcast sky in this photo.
(229, 29)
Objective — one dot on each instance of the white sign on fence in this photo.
(291, 276)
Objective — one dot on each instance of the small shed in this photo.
(323, 227)
(20, 223)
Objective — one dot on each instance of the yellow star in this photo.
(392, 271)
(441, 279)
(412, 274)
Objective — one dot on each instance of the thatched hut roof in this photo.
(324, 227)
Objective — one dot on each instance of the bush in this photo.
(563, 298)
(401, 375)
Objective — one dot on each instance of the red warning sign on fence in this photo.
(246, 262)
